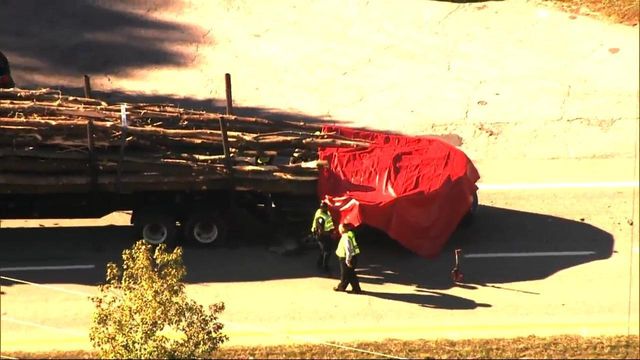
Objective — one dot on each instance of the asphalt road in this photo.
(536, 262)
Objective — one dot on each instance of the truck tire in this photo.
(205, 229)
(157, 229)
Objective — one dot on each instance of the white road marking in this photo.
(354, 349)
(7, 357)
(574, 185)
(46, 286)
(530, 254)
(38, 268)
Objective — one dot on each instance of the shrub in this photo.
(143, 312)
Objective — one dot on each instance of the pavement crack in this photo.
(564, 103)
(449, 13)
(466, 113)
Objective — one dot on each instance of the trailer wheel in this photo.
(205, 229)
(157, 229)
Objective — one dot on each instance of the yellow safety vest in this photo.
(347, 239)
(328, 221)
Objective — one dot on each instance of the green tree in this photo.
(143, 312)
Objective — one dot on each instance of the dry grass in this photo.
(621, 11)
(557, 347)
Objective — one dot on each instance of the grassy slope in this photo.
(557, 347)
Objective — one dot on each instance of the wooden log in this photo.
(78, 118)
(143, 158)
(48, 166)
(175, 118)
(46, 95)
(58, 133)
(44, 143)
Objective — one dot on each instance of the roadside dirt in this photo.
(619, 11)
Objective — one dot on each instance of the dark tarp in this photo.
(414, 188)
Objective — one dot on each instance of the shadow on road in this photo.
(495, 230)
(77, 37)
(430, 299)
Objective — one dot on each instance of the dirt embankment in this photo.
(624, 12)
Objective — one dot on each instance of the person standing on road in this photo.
(348, 252)
(322, 228)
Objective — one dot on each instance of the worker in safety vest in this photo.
(322, 228)
(348, 252)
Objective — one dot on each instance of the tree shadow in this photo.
(75, 37)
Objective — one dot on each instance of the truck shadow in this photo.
(495, 230)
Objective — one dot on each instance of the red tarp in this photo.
(414, 188)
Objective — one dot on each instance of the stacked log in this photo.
(50, 142)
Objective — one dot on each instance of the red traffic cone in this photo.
(456, 273)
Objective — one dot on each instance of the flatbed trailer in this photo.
(174, 169)
(158, 216)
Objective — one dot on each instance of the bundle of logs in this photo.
(50, 142)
